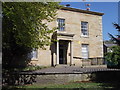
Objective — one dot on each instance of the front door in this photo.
(63, 52)
(61, 56)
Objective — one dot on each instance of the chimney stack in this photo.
(67, 5)
(88, 7)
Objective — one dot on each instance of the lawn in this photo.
(71, 85)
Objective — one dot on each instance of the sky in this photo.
(110, 10)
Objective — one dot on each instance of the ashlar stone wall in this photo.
(73, 26)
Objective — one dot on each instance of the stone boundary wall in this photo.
(105, 76)
(60, 78)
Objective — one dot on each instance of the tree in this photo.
(116, 39)
(23, 28)
(113, 57)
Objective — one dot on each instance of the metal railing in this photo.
(93, 61)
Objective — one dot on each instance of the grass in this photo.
(71, 85)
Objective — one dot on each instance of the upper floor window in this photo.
(84, 28)
(61, 24)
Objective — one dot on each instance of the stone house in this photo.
(107, 47)
(80, 40)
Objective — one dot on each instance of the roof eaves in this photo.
(82, 11)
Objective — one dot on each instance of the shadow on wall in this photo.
(16, 78)
(53, 47)
(106, 76)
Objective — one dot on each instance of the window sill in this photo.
(34, 59)
(61, 31)
(85, 36)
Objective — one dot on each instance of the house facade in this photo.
(79, 40)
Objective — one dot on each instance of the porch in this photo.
(64, 49)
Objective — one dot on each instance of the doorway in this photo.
(63, 48)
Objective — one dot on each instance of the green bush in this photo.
(113, 57)
(33, 67)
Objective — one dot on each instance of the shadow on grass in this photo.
(72, 86)
(107, 79)
(110, 85)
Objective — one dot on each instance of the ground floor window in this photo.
(34, 54)
(85, 51)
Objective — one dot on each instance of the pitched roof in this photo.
(118, 38)
(110, 45)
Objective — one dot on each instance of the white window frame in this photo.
(61, 24)
(85, 51)
(84, 29)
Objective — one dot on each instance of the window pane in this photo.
(85, 51)
(61, 24)
(84, 28)
(34, 54)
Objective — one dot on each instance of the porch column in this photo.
(57, 60)
(71, 51)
